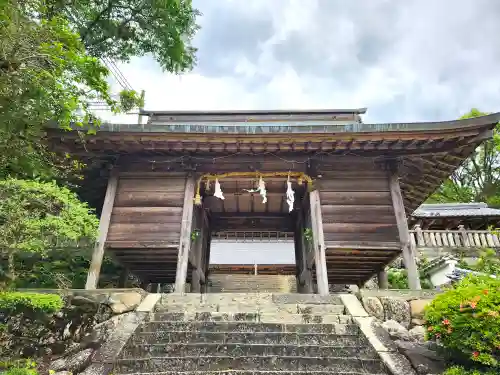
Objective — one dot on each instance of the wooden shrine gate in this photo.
(348, 219)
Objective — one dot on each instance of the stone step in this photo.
(251, 317)
(260, 283)
(248, 299)
(336, 328)
(258, 372)
(192, 307)
(306, 299)
(221, 337)
(320, 309)
(244, 350)
(214, 363)
(304, 318)
(205, 316)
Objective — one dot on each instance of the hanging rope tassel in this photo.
(262, 190)
(290, 195)
(218, 191)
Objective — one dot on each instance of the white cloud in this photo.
(404, 60)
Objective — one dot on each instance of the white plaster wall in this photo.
(252, 253)
(438, 277)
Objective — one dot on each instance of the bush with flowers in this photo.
(456, 370)
(466, 320)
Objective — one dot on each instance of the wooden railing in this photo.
(460, 239)
(252, 236)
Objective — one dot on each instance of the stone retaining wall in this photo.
(401, 314)
(68, 339)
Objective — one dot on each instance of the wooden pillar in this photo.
(404, 234)
(122, 283)
(206, 259)
(197, 254)
(298, 263)
(319, 243)
(305, 281)
(185, 236)
(98, 254)
(383, 279)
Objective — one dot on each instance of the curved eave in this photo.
(229, 113)
(296, 127)
(430, 152)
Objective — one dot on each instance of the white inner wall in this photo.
(252, 253)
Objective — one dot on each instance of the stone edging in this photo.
(378, 337)
(104, 358)
(399, 293)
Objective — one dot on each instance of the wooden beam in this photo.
(185, 236)
(98, 254)
(404, 234)
(383, 280)
(319, 243)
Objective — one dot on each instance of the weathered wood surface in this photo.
(357, 208)
(147, 209)
(142, 215)
(185, 235)
(359, 222)
(145, 225)
(319, 243)
(104, 223)
(404, 234)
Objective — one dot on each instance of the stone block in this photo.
(397, 309)
(396, 330)
(316, 299)
(417, 333)
(320, 309)
(417, 307)
(397, 364)
(373, 307)
(285, 318)
(124, 302)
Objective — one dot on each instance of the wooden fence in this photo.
(467, 242)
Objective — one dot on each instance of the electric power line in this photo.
(116, 72)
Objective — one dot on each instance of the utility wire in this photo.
(119, 72)
(116, 72)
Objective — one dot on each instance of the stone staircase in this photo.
(234, 283)
(261, 333)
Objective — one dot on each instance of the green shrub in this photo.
(38, 216)
(19, 367)
(461, 371)
(466, 319)
(398, 279)
(13, 302)
(488, 263)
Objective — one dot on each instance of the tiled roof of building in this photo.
(438, 263)
(455, 210)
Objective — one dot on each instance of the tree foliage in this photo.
(120, 29)
(46, 77)
(478, 179)
(36, 216)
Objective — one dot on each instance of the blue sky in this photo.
(410, 60)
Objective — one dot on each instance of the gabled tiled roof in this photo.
(438, 263)
(455, 210)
